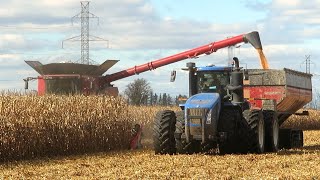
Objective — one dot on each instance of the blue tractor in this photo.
(216, 116)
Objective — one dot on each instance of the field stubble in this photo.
(143, 164)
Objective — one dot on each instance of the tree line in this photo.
(139, 92)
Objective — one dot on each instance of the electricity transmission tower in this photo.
(307, 62)
(85, 36)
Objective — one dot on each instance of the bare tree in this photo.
(138, 91)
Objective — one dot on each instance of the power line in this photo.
(44, 54)
(7, 80)
(33, 27)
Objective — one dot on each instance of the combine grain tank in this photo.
(72, 78)
(289, 89)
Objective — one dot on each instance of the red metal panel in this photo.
(264, 92)
(255, 93)
(288, 99)
(41, 86)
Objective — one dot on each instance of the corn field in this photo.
(33, 126)
(311, 122)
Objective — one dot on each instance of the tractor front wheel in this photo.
(163, 132)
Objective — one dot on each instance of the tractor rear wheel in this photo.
(228, 124)
(271, 131)
(163, 132)
(257, 130)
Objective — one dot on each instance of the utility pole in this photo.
(85, 36)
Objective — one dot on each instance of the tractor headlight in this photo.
(209, 116)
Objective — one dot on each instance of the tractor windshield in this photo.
(213, 82)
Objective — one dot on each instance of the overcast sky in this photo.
(144, 30)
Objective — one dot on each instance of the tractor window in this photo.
(214, 82)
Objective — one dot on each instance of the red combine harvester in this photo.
(72, 78)
(281, 91)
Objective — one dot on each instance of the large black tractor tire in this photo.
(181, 145)
(163, 132)
(180, 129)
(271, 131)
(243, 136)
(290, 138)
(228, 124)
(257, 130)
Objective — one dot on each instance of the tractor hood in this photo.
(203, 100)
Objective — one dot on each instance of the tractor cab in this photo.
(212, 79)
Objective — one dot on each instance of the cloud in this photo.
(289, 22)
(137, 34)
(127, 24)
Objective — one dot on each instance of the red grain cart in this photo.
(283, 91)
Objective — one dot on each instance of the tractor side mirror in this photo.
(173, 76)
(26, 84)
(245, 74)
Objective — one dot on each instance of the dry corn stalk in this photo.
(311, 122)
(33, 126)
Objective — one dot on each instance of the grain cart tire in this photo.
(271, 131)
(181, 145)
(227, 124)
(243, 136)
(163, 132)
(285, 141)
(257, 130)
(301, 138)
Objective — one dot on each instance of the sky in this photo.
(139, 31)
